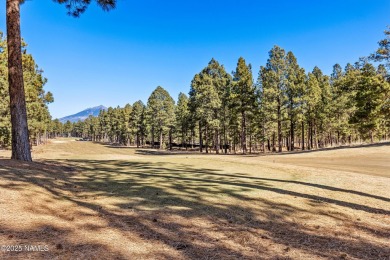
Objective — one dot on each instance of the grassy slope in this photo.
(90, 200)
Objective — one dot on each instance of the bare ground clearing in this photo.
(86, 200)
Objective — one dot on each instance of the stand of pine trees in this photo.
(287, 109)
(39, 119)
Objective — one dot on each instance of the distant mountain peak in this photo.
(101, 107)
(82, 115)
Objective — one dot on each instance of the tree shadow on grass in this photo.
(49, 241)
(199, 213)
(181, 172)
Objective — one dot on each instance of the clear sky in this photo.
(118, 57)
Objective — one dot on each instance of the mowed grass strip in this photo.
(88, 200)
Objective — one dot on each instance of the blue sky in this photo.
(118, 57)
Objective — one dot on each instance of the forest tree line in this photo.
(284, 108)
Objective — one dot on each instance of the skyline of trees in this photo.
(286, 108)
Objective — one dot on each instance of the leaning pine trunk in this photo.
(20, 139)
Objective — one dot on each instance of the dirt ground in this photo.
(82, 200)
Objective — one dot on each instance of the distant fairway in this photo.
(88, 200)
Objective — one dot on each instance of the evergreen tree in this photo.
(36, 98)
(137, 122)
(77, 7)
(205, 103)
(182, 117)
(274, 84)
(5, 120)
(312, 98)
(372, 91)
(125, 114)
(243, 97)
(68, 128)
(383, 71)
(221, 81)
(383, 52)
(322, 122)
(294, 92)
(160, 114)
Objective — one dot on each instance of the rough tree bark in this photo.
(20, 139)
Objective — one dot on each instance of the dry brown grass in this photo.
(93, 201)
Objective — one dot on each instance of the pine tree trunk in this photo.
(273, 142)
(292, 144)
(288, 143)
(315, 135)
(250, 143)
(216, 141)
(308, 136)
(225, 138)
(153, 137)
(299, 142)
(311, 135)
(187, 139)
(268, 145)
(234, 142)
(279, 126)
(338, 138)
(20, 139)
(192, 137)
(243, 132)
(263, 141)
(161, 139)
(182, 139)
(170, 139)
(200, 138)
(206, 137)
